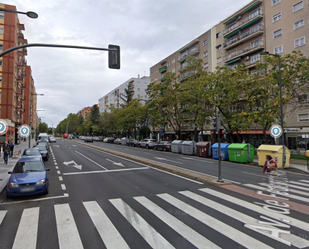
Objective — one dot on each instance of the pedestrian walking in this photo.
(6, 152)
(269, 165)
(11, 144)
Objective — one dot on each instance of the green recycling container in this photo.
(242, 153)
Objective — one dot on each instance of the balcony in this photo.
(163, 69)
(253, 32)
(251, 48)
(192, 51)
(242, 23)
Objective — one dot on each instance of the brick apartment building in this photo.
(16, 83)
(276, 26)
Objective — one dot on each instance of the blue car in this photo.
(29, 177)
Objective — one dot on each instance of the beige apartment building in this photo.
(276, 26)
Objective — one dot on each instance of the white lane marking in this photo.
(2, 215)
(304, 181)
(68, 235)
(63, 187)
(109, 234)
(300, 198)
(60, 178)
(91, 160)
(299, 183)
(195, 159)
(154, 239)
(290, 190)
(259, 209)
(58, 172)
(105, 171)
(185, 231)
(215, 224)
(246, 219)
(57, 167)
(26, 235)
(164, 159)
(39, 199)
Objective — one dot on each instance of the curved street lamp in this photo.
(30, 14)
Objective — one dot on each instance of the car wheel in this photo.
(147, 147)
(8, 196)
(164, 149)
(139, 145)
(155, 148)
(46, 192)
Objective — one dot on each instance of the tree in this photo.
(94, 115)
(43, 128)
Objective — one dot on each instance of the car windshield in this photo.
(32, 166)
(41, 147)
(31, 152)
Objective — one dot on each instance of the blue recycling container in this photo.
(224, 151)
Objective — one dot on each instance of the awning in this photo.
(251, 22)
(230, 62)
(233, 33)
(251, 6)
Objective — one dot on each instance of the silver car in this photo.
(147, 143)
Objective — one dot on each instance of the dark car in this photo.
(133, 142)
(163, 145)
(43, 150)
(88, 139)
(28, 177)
(31, 152)
(44, 142)
(108, 140)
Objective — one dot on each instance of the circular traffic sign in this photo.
(3, 126)
(24, 130)
(275, 131)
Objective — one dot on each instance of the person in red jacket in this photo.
(269, 165)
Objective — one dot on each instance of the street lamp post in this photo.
(281, 103)
(30, 114)
(30, 14)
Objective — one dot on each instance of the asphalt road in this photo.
(100, 200)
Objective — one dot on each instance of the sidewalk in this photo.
(4, 169)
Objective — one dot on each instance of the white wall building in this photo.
(138, 85)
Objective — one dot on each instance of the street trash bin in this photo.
(188, 147)
(176, 146)
(242, 153)
(276, 151)
(124, 141)
(203, 149)
(224, 151)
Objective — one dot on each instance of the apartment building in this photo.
(16, 83)
(85, 112)
(276, 26)
(137, 86)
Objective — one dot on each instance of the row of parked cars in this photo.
(29, 175)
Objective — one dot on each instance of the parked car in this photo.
(31, 152)
(88, 139)
(44, 143)
(163, 145)
(43, 150)
(147, 143)
(117, 141)
(52, 139)
(28, 177)
(108, 140)
(133, 142)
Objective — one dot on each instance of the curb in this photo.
(162, 166)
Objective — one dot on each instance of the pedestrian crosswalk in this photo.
(205, 218)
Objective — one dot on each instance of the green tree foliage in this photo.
(43, 128)
(94, 115)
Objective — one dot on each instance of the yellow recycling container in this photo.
(276, 151)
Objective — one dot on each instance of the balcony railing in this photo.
(241, 36)
(163, 69)
(192, 51)
(242, 51)
(243, 21)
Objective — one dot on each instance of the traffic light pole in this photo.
(219, 161)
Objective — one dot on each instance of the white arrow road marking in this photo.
(160, 158)
(75, 165)
(119, 164)
(91, 160)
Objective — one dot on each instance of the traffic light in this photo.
(113, 56)
(216, 123)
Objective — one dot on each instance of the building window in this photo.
(299, 42)
(298, 6)
(0, 79)
(278, 33)
(299, 24)
(303, 98)
(275, 2)
(255, 44)
(173, 61)
(0, 63)
(1, 15)
(218, 47)
(205, 54)
(278, 50)
(277, 17)
(205, 42)
(168, 63)
(255, 13)
(219, 60)
(218, 35)
(1, 31)
(255, 58)
(173, 70)
(304, 117)
(205, 65)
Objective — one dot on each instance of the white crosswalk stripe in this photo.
(253, 219)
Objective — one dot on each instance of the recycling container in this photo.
(276, 151)
(188, 147)
(242, 153)
(224, 151)
(176, 146)
(203, 149)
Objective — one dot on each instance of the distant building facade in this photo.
(115, 98)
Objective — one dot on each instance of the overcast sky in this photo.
(146, 30)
